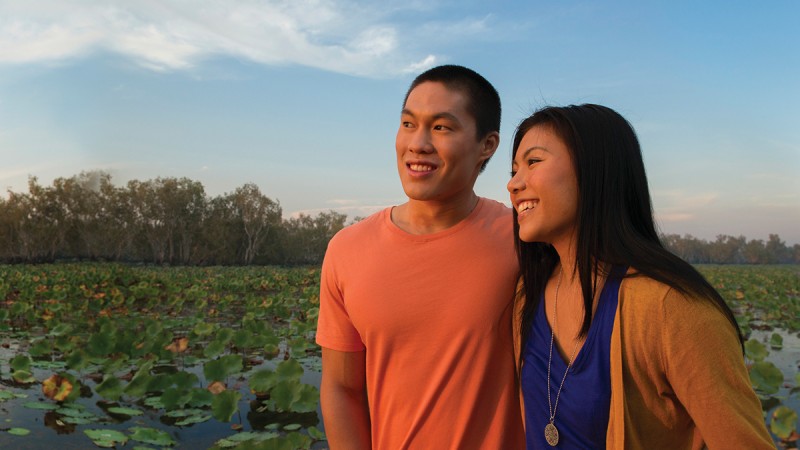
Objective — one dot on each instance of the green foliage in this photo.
(106, 438)
(223, 367)
(151, 436)
(755, 350)
(225, 404)
(766, 377)
(784, 421)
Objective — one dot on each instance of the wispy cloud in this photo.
(346, 36)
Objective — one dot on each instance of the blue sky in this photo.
(303, 97)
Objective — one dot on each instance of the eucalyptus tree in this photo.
(259, 216)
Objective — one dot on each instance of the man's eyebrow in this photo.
(441, 115)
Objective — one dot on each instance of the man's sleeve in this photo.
(335, 329)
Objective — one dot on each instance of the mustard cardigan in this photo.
(678, 378)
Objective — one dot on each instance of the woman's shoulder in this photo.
(641, 292)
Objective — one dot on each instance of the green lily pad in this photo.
(151, 436)
(16, 431)
(20, 362)
(124, 411)
(111, 388)
(755, 350)
(41, 405)
(23, 376)
(193, 419)
(776, 341)
(203, 329)
(261, 381)
(225, 404)
(316, 434)
(106, 438)
(784, 421)
(223, 367)
(766, 378)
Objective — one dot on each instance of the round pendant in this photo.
(551, 434)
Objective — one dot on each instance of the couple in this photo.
(452, 322)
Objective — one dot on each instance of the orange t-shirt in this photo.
(434, 315)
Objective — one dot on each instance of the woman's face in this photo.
(544, 188)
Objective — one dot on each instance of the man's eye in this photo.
(513, 173)
(406, 124)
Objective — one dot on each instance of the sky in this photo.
(303, 97)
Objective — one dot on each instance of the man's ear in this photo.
(489, 145)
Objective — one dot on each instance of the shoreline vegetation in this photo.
(224, 357)
(172, 221)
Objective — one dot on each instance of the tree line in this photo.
(173, 221)
(732, 250)
(162, 221)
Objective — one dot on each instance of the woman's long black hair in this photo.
(615, 215)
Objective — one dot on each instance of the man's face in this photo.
(438, 153)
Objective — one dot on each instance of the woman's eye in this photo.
(533, 161)
(513, 173)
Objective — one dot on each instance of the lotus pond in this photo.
(139, 357)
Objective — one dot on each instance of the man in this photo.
(416, 300)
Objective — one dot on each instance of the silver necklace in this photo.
(550, 430)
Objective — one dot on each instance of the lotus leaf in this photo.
(289, 370)
(755, 350)
(23, 376)
(16, 431)
(111, 388)
(175, 398)
(20, 362)
(225, 404)
(766, 378)
(316, 434)
(62, 329)
(193, 419)
(41, 405)
(776, 341)
(40, 347)
(151, 436)
(214, 348)
(184, 380)
(201, 398)
(184, 412)
(784, 421)
(100, 344)
(106, 438)
(223, 367)
(77, 360)
(124, 411)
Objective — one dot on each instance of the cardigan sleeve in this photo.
(704, 365)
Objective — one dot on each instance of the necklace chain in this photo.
(551, 408)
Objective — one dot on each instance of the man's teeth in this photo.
(421, 167)
(524, 206)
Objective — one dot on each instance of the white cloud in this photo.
(346, 36)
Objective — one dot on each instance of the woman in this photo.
(623, 344)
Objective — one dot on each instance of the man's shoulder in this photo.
(494, 207)
(356, 231)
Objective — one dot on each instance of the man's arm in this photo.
(343, 397)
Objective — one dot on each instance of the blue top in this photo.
(582, 414)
